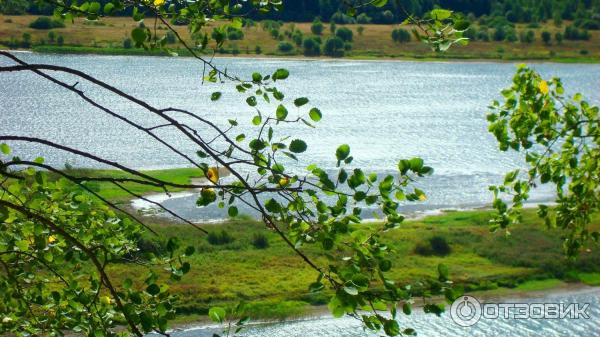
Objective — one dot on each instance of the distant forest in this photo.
(333, 10)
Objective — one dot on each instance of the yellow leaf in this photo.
(105, 300)
(158, 3)
(213, 174)
(51, 239)
(544, 87)
(422, 197)
(284, 182)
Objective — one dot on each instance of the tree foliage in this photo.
(559, 136)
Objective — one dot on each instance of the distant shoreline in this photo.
(77, 50)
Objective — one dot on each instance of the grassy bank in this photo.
(531, 259)
(374, 42)
(113, 192)
(224, 270)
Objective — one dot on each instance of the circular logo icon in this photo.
(465, 311)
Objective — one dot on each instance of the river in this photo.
(428, 325)
(385, 111)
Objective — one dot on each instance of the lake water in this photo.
(428, 325)
(384, 110)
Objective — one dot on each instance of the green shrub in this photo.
(546, 37)
(436, 245)
(170, 37)
(26, 40)
(219, 238)
(311, 47)
(44, 22)
(234, 33)
(344, 34)
(285, 47)
(274, 33)
(146, 246)
(51, 36)
(527, 37)
(297, 37)
(60, 40)
(334, 47)
(558, 37)
(400, 35)
(360, 30)
(483, 35)
(363, 18)
(500, 34)
(260, 241)
(573, 33)
(317, 27)
(269, 25)
(257, 50)
(341, 18)
(127, 43)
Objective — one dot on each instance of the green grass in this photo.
(113, 192)
(591, 279)
(528, 260)
(537, 285)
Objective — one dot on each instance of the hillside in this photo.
(110, 36)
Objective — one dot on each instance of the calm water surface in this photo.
(384, 110)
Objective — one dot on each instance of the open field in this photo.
(225, 273)
(531, 259)
(107, 36)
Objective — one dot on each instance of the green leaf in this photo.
(351, 290)
(257, 120)
(315, 114)
(217, 314)
(108, 8)
(379, 3)
(281, 112)
(300, 101)
(190, 250)
(440, 14)
(5, 148)
(94, 7)
(280, 74)
(342, 152)
(153, 289)
(416, 164)
(251, 101)
(233, 211)
(391, 327)
(298, 146)
(407, 309)
(256, 77)
(385, 265)
(215, 96)
(272, 206)
(139, 35)
(207, 196)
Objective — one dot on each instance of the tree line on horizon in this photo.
(523, 11)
